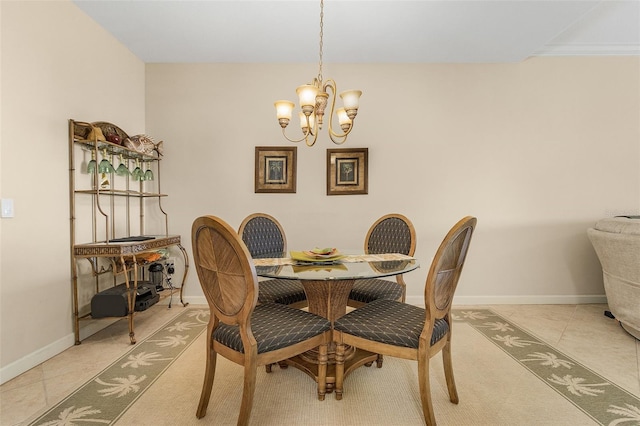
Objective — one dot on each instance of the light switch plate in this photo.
(6, 207)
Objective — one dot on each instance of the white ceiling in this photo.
(368, 31)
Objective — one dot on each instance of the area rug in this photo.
(106, 398)
(604, 401)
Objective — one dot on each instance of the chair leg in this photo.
(425, 390)
(250, 370)
(339, 370)
(323, 358)
(379, 360)
(448, 372)
(209, 374)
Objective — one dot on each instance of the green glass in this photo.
(91, 167)
(137, 173)
(148, 175)
(105, 166)
(122, 169)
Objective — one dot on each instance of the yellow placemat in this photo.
(376, 257)
(278, 261)
(331, 267)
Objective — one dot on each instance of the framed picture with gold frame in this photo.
(275, 169)
(347, 171)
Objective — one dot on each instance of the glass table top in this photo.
(339, 270)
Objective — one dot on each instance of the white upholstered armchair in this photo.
(617, 244)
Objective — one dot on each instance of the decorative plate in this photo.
(316, 256)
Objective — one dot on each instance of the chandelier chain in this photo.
(315, 99)
(321, 34)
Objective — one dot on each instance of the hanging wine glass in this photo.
(142, 175)
(122, 169)
(91, 166)
(105, 166)
(137, 173)
(148, 175)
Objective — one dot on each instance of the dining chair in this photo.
(265, 237)
(239, 329)
(392, 233)
(405, 331)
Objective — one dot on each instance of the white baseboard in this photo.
(35, 358)
(488, 300)
(87, 328)
(196, 300)
(39, 356)
(519, 300)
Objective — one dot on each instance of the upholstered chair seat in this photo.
(284, 292)
(370, 289)
(392, 323)
(274, 327)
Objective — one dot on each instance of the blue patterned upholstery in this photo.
(390, 322)
(264, 238)
(274, 327)
(371, 289)
(284, 292)
(391, 234)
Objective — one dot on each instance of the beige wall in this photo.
(537, 150)
(56, 64)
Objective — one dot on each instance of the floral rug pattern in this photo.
(105, 398)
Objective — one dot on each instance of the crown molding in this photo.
(588, 50)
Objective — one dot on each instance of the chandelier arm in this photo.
(338, 142)
(305, 137)
(316, 130)
(312, 142)
(336, 138)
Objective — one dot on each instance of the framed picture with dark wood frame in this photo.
(347, 171)
(276, 169)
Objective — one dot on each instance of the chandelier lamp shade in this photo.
(313, 99)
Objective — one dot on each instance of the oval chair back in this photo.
(264, 238)
(446, 268)
(263, 235)
(226, 273)
(392, 233)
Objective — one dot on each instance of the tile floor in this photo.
(580, 331)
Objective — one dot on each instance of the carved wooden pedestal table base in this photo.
(329, 299)
(327, 287)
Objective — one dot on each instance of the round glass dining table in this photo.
(327, 286)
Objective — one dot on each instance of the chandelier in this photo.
(313, 99)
